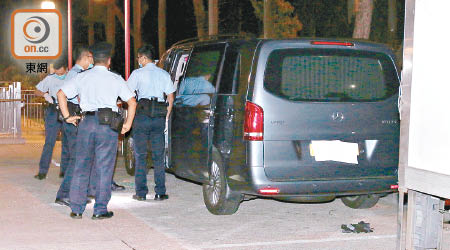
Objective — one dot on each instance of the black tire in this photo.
(218, 197)
(361, 201)
(128, 155)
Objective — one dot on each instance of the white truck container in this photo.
(424, 168)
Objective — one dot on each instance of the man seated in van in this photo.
(194, 90)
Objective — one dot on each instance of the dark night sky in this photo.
(180, 25)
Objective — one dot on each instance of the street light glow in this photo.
(48, 5)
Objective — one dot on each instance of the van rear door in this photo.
(330, 112)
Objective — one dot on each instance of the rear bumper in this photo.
(256, 179)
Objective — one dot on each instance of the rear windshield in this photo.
(327, 75)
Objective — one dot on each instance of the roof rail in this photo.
(212, 38)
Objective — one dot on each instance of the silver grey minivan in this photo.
(304, 120)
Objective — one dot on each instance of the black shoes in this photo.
(161, 197)
(116, 187)
(139, 198)
(106, 215)
(76, 215)
(40, 176)
(63, 201)
(158, 197)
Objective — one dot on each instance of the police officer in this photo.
(98, 89)
(150, 84)
(84, 60)
(48, 88)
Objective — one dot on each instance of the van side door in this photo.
(175, 63)
(193, 105)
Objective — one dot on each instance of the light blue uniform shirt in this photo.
(71, 74)
(74, 72)
(194, 91)
(97, 88)
(150, 81)
(50, 84)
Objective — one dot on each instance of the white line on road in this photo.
(287, 242)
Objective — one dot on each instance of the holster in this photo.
(74, 110)
(116, 122)
(107, 117)
(151, 107)
(104, 116)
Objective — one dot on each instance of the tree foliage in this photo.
(285, 22)
(320, 18)
(14, 74)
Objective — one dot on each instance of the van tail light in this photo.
(269, 191)
(254, 122)
(332, 43)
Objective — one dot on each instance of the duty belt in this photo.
(151, 107)
(89, 113)
(155, 99)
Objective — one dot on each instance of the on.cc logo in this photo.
(36, 34)
(36, 29)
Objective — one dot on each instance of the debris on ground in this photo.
(361, 227)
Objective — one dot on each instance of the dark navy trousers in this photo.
(70, 132)
(98, 144)
(145, 130)
(65, 155)
(52, 128)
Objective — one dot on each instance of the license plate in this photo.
(335, 151)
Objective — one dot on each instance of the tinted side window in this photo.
(230, 76)
(201, 76)
(330, 75)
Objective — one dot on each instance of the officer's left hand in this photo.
(73, 120)
(125, 128)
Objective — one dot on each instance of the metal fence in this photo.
(32, 111)
(10, 113)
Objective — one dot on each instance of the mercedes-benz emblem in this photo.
(337, 116)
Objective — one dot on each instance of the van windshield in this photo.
(330, 75)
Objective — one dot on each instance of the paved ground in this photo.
(30, 220)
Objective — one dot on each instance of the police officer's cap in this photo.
(101, 49)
